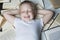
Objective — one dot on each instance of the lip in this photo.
(26, 16)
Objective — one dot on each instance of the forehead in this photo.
(28, 4)
(25, 6)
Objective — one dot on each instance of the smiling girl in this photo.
(27, 27)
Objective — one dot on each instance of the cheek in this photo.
(31, 15)
(22, 15)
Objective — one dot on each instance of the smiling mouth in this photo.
(27, 17)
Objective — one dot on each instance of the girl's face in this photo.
(26, 12)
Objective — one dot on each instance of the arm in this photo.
(9, 15)
(46, 15)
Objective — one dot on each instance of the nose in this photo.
(27, 12)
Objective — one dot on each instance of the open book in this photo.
(51, 34)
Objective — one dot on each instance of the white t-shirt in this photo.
(27, 30)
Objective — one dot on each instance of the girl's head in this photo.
(27, 10)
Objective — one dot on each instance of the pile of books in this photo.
(56, 3)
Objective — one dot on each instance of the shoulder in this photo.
(16, 21)
(40, 21)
